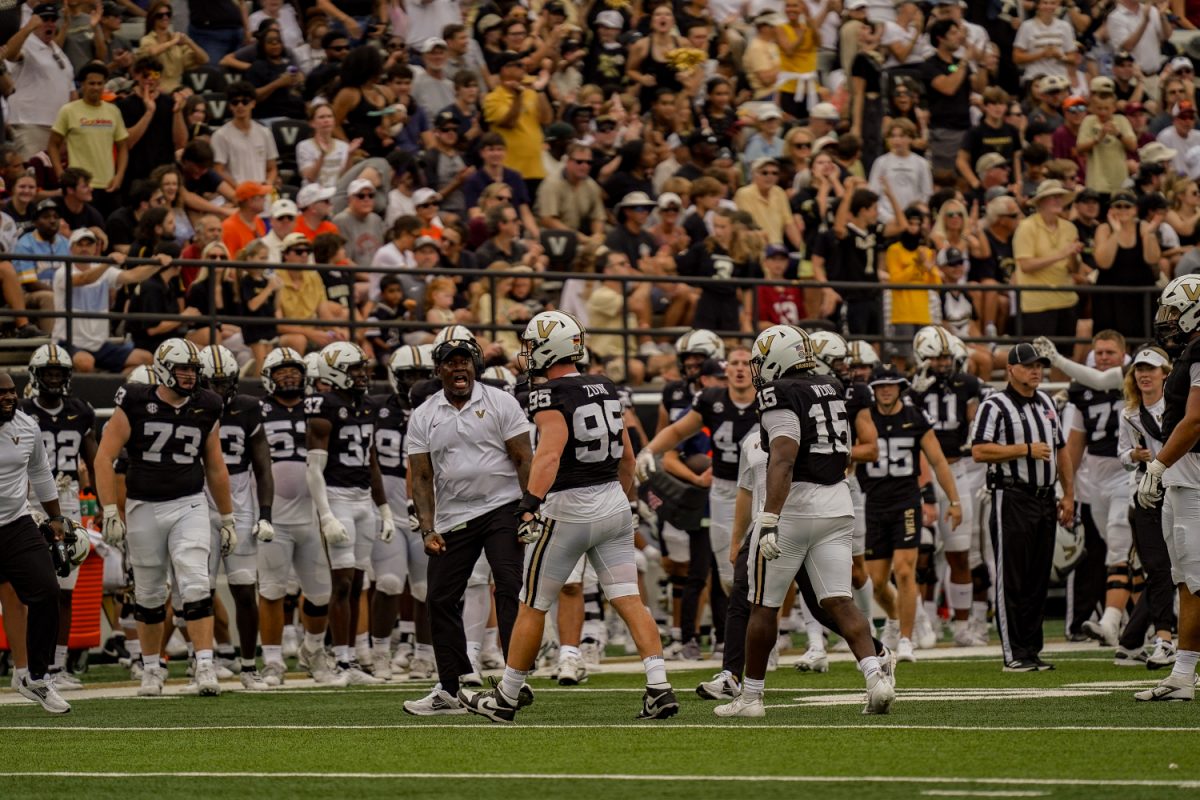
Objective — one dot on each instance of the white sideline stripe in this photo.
(468, 726)
(974, 793)
(549, 776)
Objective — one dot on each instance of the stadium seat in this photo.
(202, 80)
(288, 133)
(560, 247)
(218, 107)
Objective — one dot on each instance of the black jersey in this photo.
(391, 423)
(241, 420)
(166, 444)
(1100, 413)
(946, 405)
(350, 439)
(858, 398)
(677, 397)
(818, 403)
(63, 432)
(286, 429)
(1177, 389)
(592, 409)
(894, 480)
(727, 425)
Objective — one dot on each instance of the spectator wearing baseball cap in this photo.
(766, 201)
(284, 215)
(1127, 86)
(569, 199)
(1046, 248)
(1107, 141)
(359, 224)
(246, 225)
(314, 204)
(1062, 141)
(433, 88)
(1182, 136)
(44, 240)
(518, 112)
(444, 165)
(778, 305)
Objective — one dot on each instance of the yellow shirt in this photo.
(760, 54)
(524, 139)
(604, 307)
(91, 132)
(911, 306)
(803, 58)
(1033, 239)
(771, 213)
(1106, 167)
(176, 60)
(300, 302)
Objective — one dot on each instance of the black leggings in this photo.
(25, 562)
(1156, 603)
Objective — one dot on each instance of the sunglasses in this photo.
(300, 251)
(163, 15)
(339, 48)
(802, 145)
(1077, 110)
(218, 258)
(1122, 206)
(605, 127)
(448, 129)
(287, 217)
(365, 196)
(430, 204)
(240, 101)
(769, 173)
(954, 214)
(504, 198)
(582, 160)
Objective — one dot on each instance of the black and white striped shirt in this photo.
(1008, 417)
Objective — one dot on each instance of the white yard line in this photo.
(881, 725)
(978, 793)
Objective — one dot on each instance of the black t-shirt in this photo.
(339, 287)
(1100, 413)
(856, 259)
(983, 138)
(215, 14)
(702, 261)
(804, 203)
(870, 69)
(206, 184)
(1002, 257)
(283, 102)
(119, 226)
(286, 428)
(157, 145)
(595, 421)
(350, 439)
(24, 221)
(197, 298)
(635, 245)
(166, 444)
(946, 111)
(241, 420)
(63, 432)
(728, 424)
(88, 217)
(946, 406)
(1087, 237)
(152, 296)
(892, 482)
(817, 402)
(321, 76)
(622, 183)
(391, 424)
(604, 65)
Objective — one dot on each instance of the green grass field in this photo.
(959, 728)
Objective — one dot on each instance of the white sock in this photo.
(869, 666)
(20, 673)
(272, 654)
(191, 648)
(134, 646)
(383, 643)
(313, 641)
(473, 649)
(862, 598)
(60, 657)
(567, 650)
(931, 610)
(676, 634)
(511, 683)
(249, 664)
(362, 641)
(753, 689)
(656, 672)
(979, 609)
(150, 661)
(342, 653)
(1185, 664)
(958, 596)
(424, 651)
(203, 656)
(1112, 616)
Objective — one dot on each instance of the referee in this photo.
(469, 449)
(1019, 434)
(25, 560)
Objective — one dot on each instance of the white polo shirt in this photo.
(23, 462)
(472, 473)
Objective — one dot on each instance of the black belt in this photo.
(1040, 492)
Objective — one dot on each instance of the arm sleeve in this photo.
(314, 476)
(781, 422)
(745, 470)
(1100, 380)
(1125, 443)
(40, 476)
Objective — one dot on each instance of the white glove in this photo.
(113, 527)
(228, 534)
(530, 531)
(414, 522)
(1045, 348)
(333, 531)
(645, 465)
(768, 536)
(646, 515)
(63, 483)
(1150, 490)
(264, 531)
(387, 524)
(922, 380)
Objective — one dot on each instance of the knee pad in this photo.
(242, 577)
(198, 609)
(981, 578)
(312, 609)
(389, 584)
(150, 616)
(1118, 578)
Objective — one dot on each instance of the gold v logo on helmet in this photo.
(545, 326)
(818, 345)
(1192, 290)
(764, 346)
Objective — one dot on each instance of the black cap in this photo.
(445, 119)
(1123, 196)
(713, 367)
(328, 39)
(555, 7)
(885, 374)
(506, 58)
(1024, 354)
(1088, 195)
(46, 205)
(110, 9)
(1037, 129)
(46, 11)
(702, 136)
(1122, 56)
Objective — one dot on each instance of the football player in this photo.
(172, 439)
(862, 359)
(950, 399)
(807, 516)
(576, 503)
(897, 506)
(296, 546)
(69, 440)
(343, 477)
(244, 443)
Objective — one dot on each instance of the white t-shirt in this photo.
(307, 153)
(1171, 138)
(399, 205)
(1033, 36)
(1123, 23)
(893, 33)
(245, 155)
(910, 177)
(427, 20)
(44, 81)
(86, 334)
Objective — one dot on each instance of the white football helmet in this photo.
(277, 358)
(501, 374)
(78, 545)
(551, 337)
(932, 341)
(831, 352)
(862, 354)
(142, 375)
(170, 356)
(1068, 551)
(49, 361)
(312, 372)
(452, 333)
(1178, 314)
(699, 342)
(409, 364)
(337, 362)
(777, 350)
(219, 369)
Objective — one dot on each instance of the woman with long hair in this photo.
(902, 104)
(175, 49)
(1184, 216)
(648, 65)
(954, 227)
(362, 105)
(1126, 253)
(1139, 438)
(156, 224)
(724, 307)
(322, 159)
(276, 79)
(170, 181)
(718, 113)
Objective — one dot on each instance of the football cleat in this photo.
(64, 681)
(525, 696)
(1042, 666)
(773, 659)
(364, 655)
(591, 651)
(887, 664)
(491, 704)
(741, 706)
(891, 634)
(691, 651)
(273, 674)
(44, 694)
(437, 703)
(472, 679)
(572, 670)
(723, 686)
(926, 638)
(403, 657)
(223, 668)
(1169, 689)
(152, 682)
(967, 636)
(880, 694)
(1106, 635)
(813, 661)
(1163, 655)
(355, 675)
(1021, 665)
(421, 669)
(206, 679)
(1130, 658)
(381, 664)
(673, 651)
(253, 681)
(291, 641)
(904, 651)
(136, 668)
(658, 704)
(784, 641)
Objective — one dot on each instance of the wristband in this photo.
(426, 534)
(927, 495)
(955, 504)
(264, 513)
(529, 504)
(227, 520)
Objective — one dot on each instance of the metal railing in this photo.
(1147, 296)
